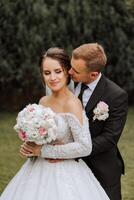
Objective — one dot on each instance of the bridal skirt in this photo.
(64, 180)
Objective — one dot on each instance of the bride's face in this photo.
(54, 75)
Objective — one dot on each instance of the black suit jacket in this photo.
(105, 160)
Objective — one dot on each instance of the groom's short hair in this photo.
(93, 54)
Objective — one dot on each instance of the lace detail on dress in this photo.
(76, 138)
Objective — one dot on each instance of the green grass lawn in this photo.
(126, 146)
(10, 160)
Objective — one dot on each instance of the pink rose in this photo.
(22, 135)
(30, 108)
(42, 131)
(102, 106)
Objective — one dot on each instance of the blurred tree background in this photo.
(29, 27)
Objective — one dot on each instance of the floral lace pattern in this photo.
(75, 137)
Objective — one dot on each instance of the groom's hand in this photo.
(54, 160)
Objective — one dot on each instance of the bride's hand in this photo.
(24, 152)
(30, 149)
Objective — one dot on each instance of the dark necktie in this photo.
(83, 87)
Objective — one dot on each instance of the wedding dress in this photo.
(64, 180)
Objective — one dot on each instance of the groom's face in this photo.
(79, 71)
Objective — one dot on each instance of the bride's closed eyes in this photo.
(57, 71)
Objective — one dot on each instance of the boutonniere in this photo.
(101, 111)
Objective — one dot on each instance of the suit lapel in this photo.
(96, 95)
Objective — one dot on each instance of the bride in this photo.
(55, 174)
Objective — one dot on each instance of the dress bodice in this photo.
(64, 123)
(64, 132)
(74, 136)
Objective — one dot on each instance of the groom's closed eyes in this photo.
(75, 70)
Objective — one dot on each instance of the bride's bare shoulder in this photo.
(74, 100)
(43, 100)
(75, 107)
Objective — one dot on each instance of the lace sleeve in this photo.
(81, 146)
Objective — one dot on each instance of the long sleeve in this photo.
(81, 146)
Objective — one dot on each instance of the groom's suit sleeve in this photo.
(114, 124)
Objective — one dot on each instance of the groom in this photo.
(105, 161)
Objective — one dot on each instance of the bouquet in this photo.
(36, 124)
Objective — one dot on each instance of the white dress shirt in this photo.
(88, 92)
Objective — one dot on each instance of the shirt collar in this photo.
(93, 84)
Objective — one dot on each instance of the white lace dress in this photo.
(65, 180)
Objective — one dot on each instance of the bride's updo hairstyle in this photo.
(61, 56)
